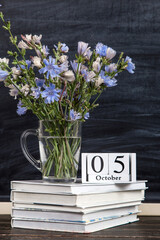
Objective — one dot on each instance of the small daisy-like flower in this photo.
(51, 69)
(50, 93)
(21, 110)
(107, 80)
(3, 75)
(74, 115)
(131, 66)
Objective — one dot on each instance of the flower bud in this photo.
(37, 61)
(96, 65)
(99, 81)
(63, 58)
(69, 76)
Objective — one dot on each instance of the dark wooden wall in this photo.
(128, 119)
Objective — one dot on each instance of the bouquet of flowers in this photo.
(58, 90)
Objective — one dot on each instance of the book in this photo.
(74, 188)
(70, 226)
(50, 207)
(83, 201)
(74, 217)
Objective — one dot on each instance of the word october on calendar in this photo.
(108, 167)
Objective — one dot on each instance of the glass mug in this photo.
(59, 147)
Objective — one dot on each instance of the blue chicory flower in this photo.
(23, 66)
(101, 49)
(50, 93)
(3, 75)
(21, 110)
(51, 68)
(105, 51)
(64, 48)
(86, 116)
(131, 66)
(36, 92)
(75, 67)
(40, 82)
(108, 81)
(111, 68)
(74, 115)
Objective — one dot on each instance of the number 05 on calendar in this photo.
(108, 167)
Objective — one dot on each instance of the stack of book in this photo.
(74, 207)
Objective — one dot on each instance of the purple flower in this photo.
(21, 110)
(105, 51)
(3, 75)
(74, 115)
(40, 82)
(50, 93)
(75, 67)
(51, 68)
(108, 81)
(86, 116)
(131, 66)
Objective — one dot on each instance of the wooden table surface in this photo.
(146, 228)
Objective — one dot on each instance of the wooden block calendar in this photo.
(108, 167)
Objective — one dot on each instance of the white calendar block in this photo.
(108, 167)
(97, 163)
(119, 163)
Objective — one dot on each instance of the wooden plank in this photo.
(146, 228)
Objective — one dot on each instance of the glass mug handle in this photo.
(29, 157)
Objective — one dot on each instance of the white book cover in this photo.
(50, 207)
(72, 227)
(74, 188)
(74, 217)
(83, 201)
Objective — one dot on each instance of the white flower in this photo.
(28, 37)
(23, 45)
(82, 47)
(36, 38)
(25, 89)
(4, 60)
(13, 91)
(110, 53)
(63, 58)
(91, 76)
(37, 61)
(84, 50)
(96, 65)
(69, 76)
(99, 81)
(44, 50)
(15, 72)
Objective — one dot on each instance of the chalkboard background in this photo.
(128, 117)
